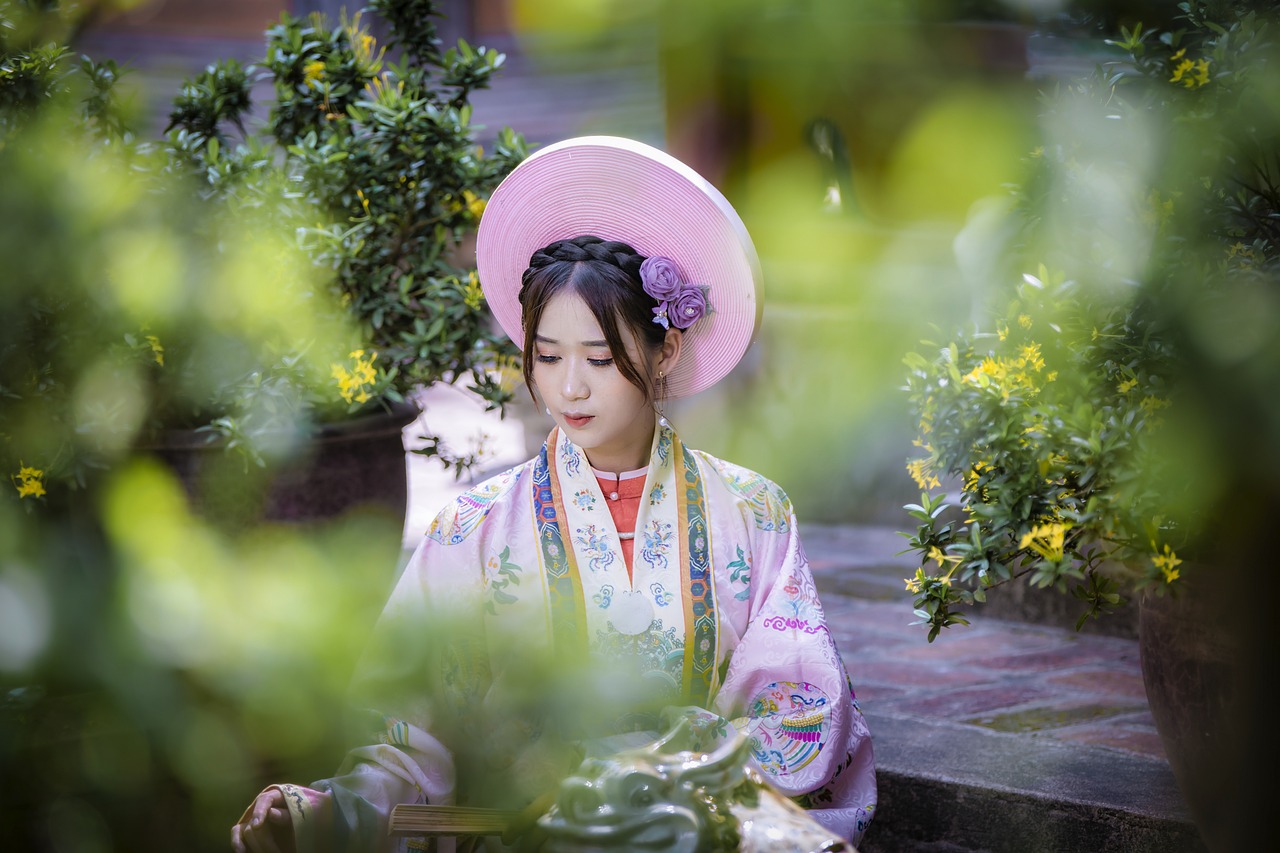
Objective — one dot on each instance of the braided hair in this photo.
(606, 274)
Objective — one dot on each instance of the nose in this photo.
(575, 385)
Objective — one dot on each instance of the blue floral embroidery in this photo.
(585, 500)
(572, 459)
(596, 545)
(656, 495)
(604, 597)
(660, 595)
(657, 544)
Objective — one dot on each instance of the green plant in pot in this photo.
(370, 170)
(1106, 428)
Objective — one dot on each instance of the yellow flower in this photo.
(354, 384)
(1167, 563)
(472, 293)
(1002, 330)
(364, 202)
(1024, 320)
(1190, 73)
(942, 559)
(1151, 405)
(1126, 386)
(473, 203)
(156, 349)
(313, 73)
(1047, 540)
(28, 481)
(1030, 356)
(921, 470)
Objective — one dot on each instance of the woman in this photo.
(583, 600)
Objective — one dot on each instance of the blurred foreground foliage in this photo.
(1116, 400)
(155, 670)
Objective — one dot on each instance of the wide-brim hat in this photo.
(621, 189)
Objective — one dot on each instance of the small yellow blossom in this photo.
(1024, 320)
(1051, 376)
(156, 349)
(473, 203)
(1190, 73)
(921, 470)
(1126, 386)
(472, 294)
(313, 73)
(1167, 563)
(1151, 404)
(364, 201)
(940, 558)
(28, 481)
(354, 384)
(1030, 356)
(1047, 540)
(1002, 330)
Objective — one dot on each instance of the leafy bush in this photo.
(1152, 222)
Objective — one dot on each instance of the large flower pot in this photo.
(1193, 665)
(358, 463)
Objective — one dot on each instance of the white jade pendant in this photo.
(631, 613)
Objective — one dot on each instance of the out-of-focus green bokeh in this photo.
(156, 669)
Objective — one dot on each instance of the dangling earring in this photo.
(547, 410)
(657, 402)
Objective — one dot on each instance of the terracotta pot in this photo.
(1193, 666)
(349, 464)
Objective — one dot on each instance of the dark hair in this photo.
(606, 274)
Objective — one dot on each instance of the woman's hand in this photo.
(265, 827)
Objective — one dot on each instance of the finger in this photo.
(264, 803)
(261, 841)
(237, 844)
(278, 816)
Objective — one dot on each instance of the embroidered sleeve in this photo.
(787, 688)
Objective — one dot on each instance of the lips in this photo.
(578, 421)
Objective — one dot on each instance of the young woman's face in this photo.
(590, 400)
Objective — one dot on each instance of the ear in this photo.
(669, 353)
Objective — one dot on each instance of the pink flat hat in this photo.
(620, 189)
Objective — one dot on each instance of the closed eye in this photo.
(600, 362)
(548, 359)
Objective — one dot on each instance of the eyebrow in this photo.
(545, 340)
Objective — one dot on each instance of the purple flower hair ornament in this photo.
(679, 304)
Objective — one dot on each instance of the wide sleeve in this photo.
(422, 661)
(787, 688)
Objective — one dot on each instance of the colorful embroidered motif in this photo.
(657, 544)
(396, 732)
(499, 573)
(770, 506)
(461, 518)
(661, 596)
(656, 495)
(585, 500)
(700, 607)
(788, 726)
(564, 590)
(740, 572)
(604, 597)
(595, 543)
(653, 652)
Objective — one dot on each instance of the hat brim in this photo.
(620, 189)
